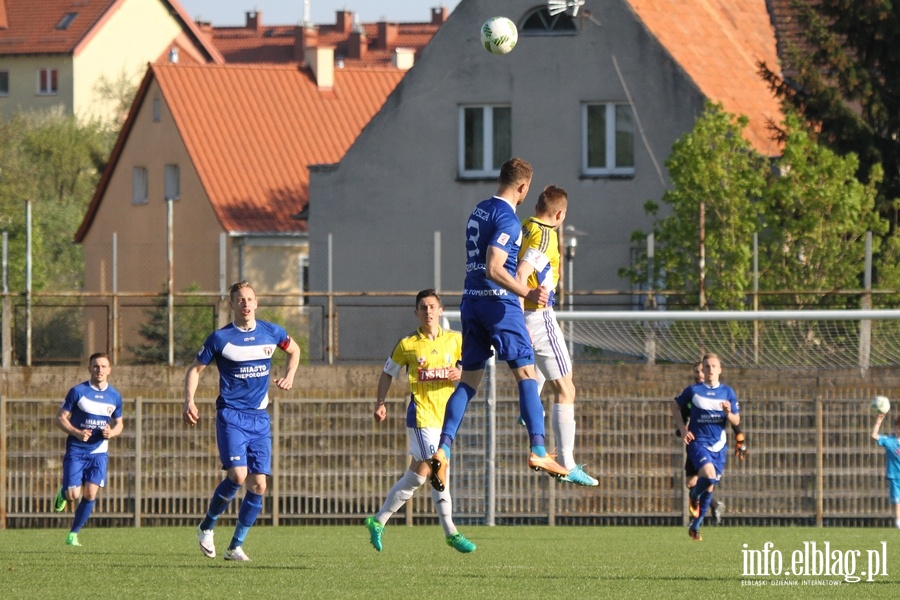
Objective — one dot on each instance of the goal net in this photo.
(778, 338)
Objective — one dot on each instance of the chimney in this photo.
(357, 45)
(438, 15)
(254, 20)
(321, 62)
(304, 37)
(387, 35)
(403, 58)
(344, 21)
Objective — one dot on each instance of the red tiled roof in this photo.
(251, 131)
(3, 20)
(718, 43)
(32, 25)
(275, 44)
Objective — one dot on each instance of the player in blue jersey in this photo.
(539, 266)
(690, 472)
(243, 353)
(713, 406)
(491, 315)
(891, 446)
(91, 415)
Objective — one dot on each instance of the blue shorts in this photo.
(491, 322)
(699, 455)
(80, 468)
(244, 439)
(894, 485)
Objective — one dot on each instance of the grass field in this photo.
(515, 562)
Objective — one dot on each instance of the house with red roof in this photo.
(53, 53)
(355, 44)
(594, 97)
(208, 174)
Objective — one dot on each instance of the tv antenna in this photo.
(555, 7)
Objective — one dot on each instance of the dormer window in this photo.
(66, 20)
(541, 22)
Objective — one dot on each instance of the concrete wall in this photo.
(359, 381)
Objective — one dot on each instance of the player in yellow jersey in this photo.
(539, 267)
(431, 356)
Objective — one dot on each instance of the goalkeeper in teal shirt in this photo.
(891, 446)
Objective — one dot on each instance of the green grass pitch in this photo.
(515, 562)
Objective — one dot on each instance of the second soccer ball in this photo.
(881, 404)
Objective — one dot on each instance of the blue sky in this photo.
(287, 12)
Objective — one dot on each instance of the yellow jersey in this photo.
(428, 363)
(540, 248)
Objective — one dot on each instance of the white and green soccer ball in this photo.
(499, 35)
(881, 404)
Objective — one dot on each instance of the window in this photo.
(139, 185)
(303, 283)
(173, 182)
(47, 82)
(485, 139)
(608, 140)
(156, 110)
(541, 22)
(4, 83)
(66, 20)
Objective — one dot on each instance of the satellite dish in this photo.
(554, 7)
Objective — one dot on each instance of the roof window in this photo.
(66, 20)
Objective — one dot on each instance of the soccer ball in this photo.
(881, 404)
(499, 35)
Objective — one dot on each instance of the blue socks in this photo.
(701, 493)
(532, 412)
(223, 495)
(456, 410)
(250, 509)
(82, 512)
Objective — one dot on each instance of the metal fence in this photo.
(812, 461)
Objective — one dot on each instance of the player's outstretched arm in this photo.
(878, 420)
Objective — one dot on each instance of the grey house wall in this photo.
(398, 184)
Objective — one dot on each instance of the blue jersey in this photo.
(891, 447)
(708, 420)
(91, 408)
(244, 360)
(492, 223)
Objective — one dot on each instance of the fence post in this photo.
(820, 462)
(138, 459)
(275, 492)
(3, 462)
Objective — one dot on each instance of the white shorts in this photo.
(423, 442)
(551, 355)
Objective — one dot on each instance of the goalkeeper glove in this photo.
(740, 446)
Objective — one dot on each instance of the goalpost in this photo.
(774, 338)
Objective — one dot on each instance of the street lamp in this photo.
(570, 241)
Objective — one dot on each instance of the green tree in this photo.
(55, 162)
(841, 70)
(194, 321)
(816, 215)
(716, 177)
